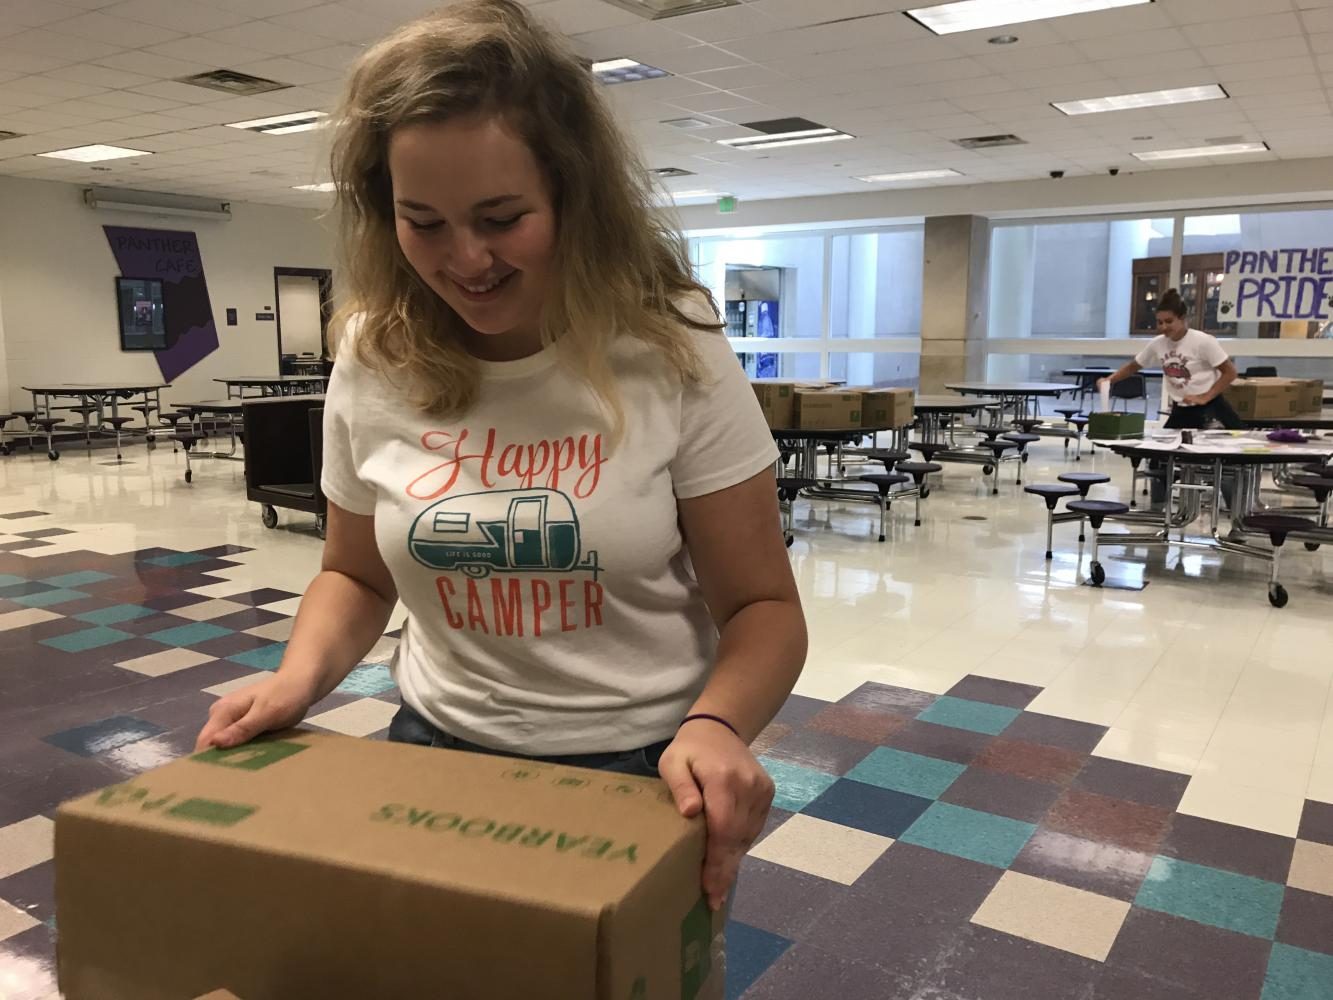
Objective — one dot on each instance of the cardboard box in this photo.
(1275, 398)
(1110, 426)
(219, 995)
(892, 408)
(316, 865)
(827, 409)
(778, 401)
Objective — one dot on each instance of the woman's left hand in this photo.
(711, 769)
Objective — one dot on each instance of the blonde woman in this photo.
(537, 438)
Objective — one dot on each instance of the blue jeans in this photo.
(409, 727)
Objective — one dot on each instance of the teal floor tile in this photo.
(797, 786)
(176, 559)
(1297, 974)
(86, 639)
(263, 658)
(188, 635)
(967, 833)
(367, 680)
(1209, 896)
(901, 771)
(977, 716)
(77, 579)
(48, 598)
(115, 615)
(10, 580)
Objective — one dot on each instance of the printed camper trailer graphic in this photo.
(510, 530)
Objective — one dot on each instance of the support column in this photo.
(954, 301)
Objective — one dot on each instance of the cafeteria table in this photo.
(1197, 470)
(99, 394)
(1022, 399)
(196, 411)
(936, 415)
(274, 385)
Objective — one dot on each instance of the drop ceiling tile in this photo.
(730, 23)
(185, 16)
(67, 48)
(48, 86)
(697, 59)
(1242, 52)
(1200, 11)
(261, 8)
(333, 56)
(100, 27)
(736, 77)
(133, 100)
(196, 48)
(267, 37)
(340, 24)
(290, 71)
(148, 64)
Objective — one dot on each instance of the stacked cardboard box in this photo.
(314, 865)
(827, 409)
(1275, 398)
(778, 401)
(1107, 426)
(887, 408)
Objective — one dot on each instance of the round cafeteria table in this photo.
(1020, 398)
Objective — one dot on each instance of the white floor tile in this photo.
(14, 921)
(356, 718)
(1243, 805)
(166, 662)
(227, 687)
(25, 618)
(817, 847)
(24, 844)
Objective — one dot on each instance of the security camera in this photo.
(1114, 171)
(1057, 174)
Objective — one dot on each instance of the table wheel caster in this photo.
(53, 454)
(1098, 575)
(269, 515)
(1277, 595)
(189, 475)
(1311, 546)
(321, 525)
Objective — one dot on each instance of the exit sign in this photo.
(726, 205)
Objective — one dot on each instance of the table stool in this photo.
(5, 418)
(187, 440)
(884, 484)
(48, 424)
(118, 424)
(788, 491)
(1278, 527)
(1096, 511)
(919, 471)
(1022, 440)
(888, 456)
(1052, 493)
(998, 448)
(1079, 422)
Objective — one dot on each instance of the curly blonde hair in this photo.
(619, 268)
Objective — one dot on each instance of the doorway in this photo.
(303, 307)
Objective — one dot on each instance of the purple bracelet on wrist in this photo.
(710, 718)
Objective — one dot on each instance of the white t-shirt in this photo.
(552, 606)
(1189, 365)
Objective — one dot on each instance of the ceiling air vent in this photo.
(8, 135)
(671, 172)
(231, 82)
(656, 10)
(688, 124)
(990, 141)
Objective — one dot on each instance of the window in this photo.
(876, 284)
(451, 522)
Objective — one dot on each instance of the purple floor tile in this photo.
(857, 722)
(250, 618)
(104, 735)
(1101, 819)
(958, 745)
(1122, 984)
(220, 551)
(172, 601)
(1231, 848)
(44, 533)
(1307, 921)
(860, 927)
(1191, 956)
(1032, 761)
(798, 710)
(264, 595)
(1032, 727)
(230, 645)
(821, 751)
(1090, 864)
(1002, 794)
(926, 885)
(1149, 786)
(805, 972)
(32, 890)
(887, 698)
(30, 543)
(994, 692)
(988, 965)
(38, 777)
(20, 515)
(1317, 822)
(781, 900)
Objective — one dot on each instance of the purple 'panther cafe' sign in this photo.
(174, 257)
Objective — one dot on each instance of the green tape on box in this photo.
(1110, 426)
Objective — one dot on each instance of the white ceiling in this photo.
(74, 72)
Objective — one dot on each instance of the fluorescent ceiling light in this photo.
(656, 10)
(625, 71)
(776, 143)
(701, 193)
(91, 154)
(1233, 149)
(297, 121)
(1147, 99)
(324, 187)
(971, 15)
(910, 175)
(801, 134)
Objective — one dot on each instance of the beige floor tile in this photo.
(227, 687)
(279, 631)
(1225, 801)
(356, 718)
(26, 617)
(13, 921)
(1166, 747)
(166, 662)
(24, 844)
(1321, 783)
(208, 610)
(1312, 868)
(1059, 916)
(216, 590)
(288, 606)
(827, 850)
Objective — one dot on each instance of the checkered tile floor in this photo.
(924, 847)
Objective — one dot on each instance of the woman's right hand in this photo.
(1103, 383)
(271, 703)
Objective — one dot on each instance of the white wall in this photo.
(58, 311)
(298, 300)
